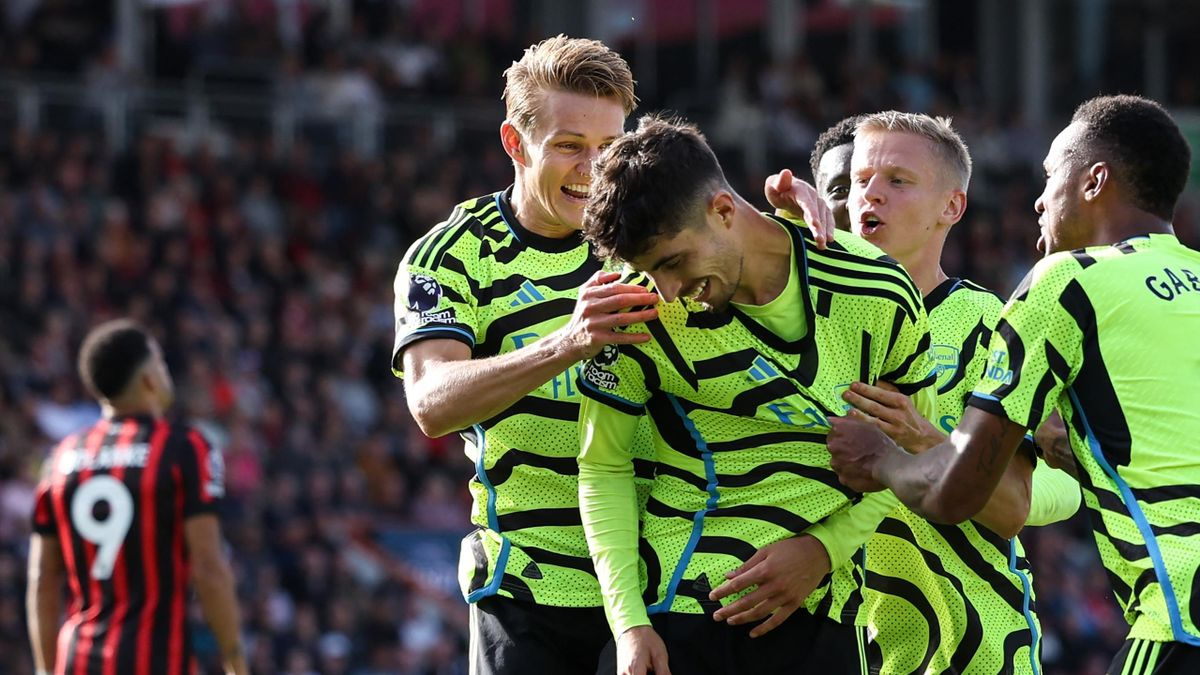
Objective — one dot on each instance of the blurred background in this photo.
(243, 176)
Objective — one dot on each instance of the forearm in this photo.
(847, 530)
(43, 606)
(214, 585)
(1055, 496)
(608, 506)
(953, 481)
(446, 396)
(1008, 508)
(607, 502)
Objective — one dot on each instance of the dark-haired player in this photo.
(1103, 329)
(126, 517)
(758, 335)
(830, 164)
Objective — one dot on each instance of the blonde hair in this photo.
(561, 63)
(937, 130)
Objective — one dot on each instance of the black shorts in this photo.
(697, 645)
(511, 636)
(1143, 657)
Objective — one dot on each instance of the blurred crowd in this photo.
(267, 274)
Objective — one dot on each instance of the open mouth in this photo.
(870, 224)
(578, 191)
(700, 292)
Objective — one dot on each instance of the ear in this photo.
(514, 147)
(1096, 180)
(722, 204)
(955, 207)
(146, 381)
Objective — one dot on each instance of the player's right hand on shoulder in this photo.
(600, 310)
(639, 651)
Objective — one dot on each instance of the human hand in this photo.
(894, 413)
(795, 198)
(856, 447)
(1055, 445)
(599, 311)
(785, 572)
(640, 650)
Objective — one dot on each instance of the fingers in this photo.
(617, 302)
(591, 291)
(867, 405)
(658, 661)
(774, 620)
(758, 612)
(617, 319)
(601, 277)
(740, 606)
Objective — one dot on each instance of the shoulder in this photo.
(1054, 272)
(850, 264)
(970, 294)
(460, 235)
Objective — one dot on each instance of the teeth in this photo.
(580, 188)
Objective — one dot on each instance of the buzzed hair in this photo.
(561, 63)
(837, 135)
(1143, 144)
(937, 130)
(110, 356)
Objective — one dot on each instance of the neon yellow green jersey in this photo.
(1108, 336)
(482, 279)
(739, 417)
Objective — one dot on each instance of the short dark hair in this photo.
(645, 184)
(1143, 144)
(110, 356)
(835, 136)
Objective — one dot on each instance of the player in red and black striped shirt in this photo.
(126, 516)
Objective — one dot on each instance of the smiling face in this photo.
(703, 261)
(554, 158)
(901, 193)
(1058, 207)
(833, 182)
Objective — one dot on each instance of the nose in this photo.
(872, 192)
(668, 288)
(1039, 205)
(584, 167)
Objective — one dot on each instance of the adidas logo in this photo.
(527, 295)
(761, 370)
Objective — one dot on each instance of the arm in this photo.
(43, 600)
(895, 414)
(608, 506)
(948, 483)
(794, 198)
(447, 390)
(1055, 496)
(214, 585)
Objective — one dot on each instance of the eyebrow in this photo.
(567, 132)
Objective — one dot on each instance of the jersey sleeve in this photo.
(202, 474)
(44, 522)
(846, 530)
(434, 302)
(1037, 347)
(907, 364)
(616, 377)
(1055, 496)
(609, 507)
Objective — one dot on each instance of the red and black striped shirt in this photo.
(115, 497)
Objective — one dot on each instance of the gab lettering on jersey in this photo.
(997, 368)
(1173, 283)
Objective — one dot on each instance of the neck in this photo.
(532, 216)
(766, 278)
(925, 264)
(111, 409)
(1118, 223)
